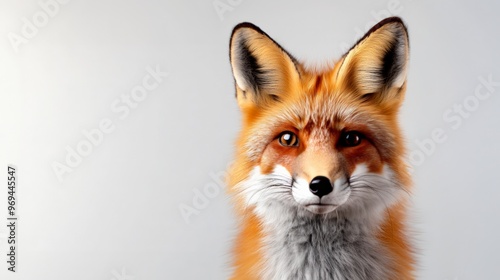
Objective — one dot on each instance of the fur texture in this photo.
(339, 124)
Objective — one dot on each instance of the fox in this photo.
(319, 180)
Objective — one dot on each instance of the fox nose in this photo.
(320, 186)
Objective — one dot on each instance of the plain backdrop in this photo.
(68, 67)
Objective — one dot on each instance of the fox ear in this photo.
(262, 69)
(376, 66)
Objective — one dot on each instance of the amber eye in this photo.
(350, 138)
(288, 139)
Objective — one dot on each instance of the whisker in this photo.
(370, 177)
(376, 185)
(272, 185)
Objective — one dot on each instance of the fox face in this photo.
(319, 177)
(320, 142)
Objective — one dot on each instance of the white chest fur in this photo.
(323, 248)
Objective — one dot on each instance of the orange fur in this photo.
(305, 92)
(246, 249)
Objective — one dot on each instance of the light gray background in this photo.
(116, 216)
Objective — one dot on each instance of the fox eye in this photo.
(350, 138)
(288, 139)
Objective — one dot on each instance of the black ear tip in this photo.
(246, 25)
(390, 20)
(239, 26)
(401, 29)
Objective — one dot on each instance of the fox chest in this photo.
(315, 251)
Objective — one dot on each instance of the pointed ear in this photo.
(375, 68)
(264, 72)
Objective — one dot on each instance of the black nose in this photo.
(320, 186)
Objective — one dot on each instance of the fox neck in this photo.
(298, 246)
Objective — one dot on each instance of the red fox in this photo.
(319, 180)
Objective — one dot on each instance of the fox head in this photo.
(320, 143)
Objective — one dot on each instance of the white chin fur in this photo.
(320, 209)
